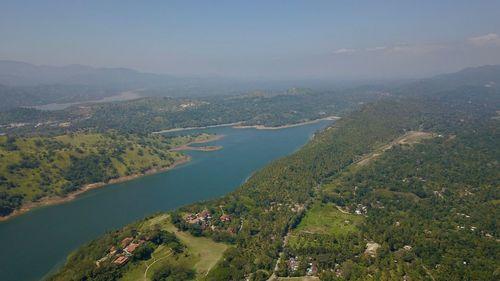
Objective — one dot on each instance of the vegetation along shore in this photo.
(72, 167)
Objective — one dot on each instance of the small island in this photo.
(203, 138)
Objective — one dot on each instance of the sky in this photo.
(336, 39)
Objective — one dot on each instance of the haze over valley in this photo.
(256, 141)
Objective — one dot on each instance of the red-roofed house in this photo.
(126, 241)
(131, 247)
(121, 260)
(224, 218)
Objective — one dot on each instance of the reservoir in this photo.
(37, 243)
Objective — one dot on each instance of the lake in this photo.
(37, 243)
(123, 96)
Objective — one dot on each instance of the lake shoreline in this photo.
(54, 200)
(209, 148)
(195, 128)
(46, 236)
(238, 125)
(198, 148)
(263, 127)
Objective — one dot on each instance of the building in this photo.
(225, 218)
(121, 260)
(131, 247)
(101, 260)
(292, 264)
(126, 241)
(312, 269)
(205, 215)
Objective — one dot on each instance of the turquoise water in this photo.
(36, 243)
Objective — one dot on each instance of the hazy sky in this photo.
(275, 39)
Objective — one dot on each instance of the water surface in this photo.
(124, 96)
(36, 243)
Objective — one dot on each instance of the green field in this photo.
(206, 253)
(327, 219)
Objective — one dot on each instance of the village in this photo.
(205, 220)
(293, 264)
(121, 255)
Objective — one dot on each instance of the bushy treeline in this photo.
(9, 202)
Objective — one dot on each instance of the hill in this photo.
(410, 212)
(487, 76)
(37, 171)
(17, 73)
(151, 114)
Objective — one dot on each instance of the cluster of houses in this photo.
(14, 125)
(361, 210)
(128, 246)
(204, 218)
(201, 217)
(293, 265)
(187, 105)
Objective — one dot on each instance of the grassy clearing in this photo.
(327, 219)
(160, 257)
(201, 253)
(206, 253)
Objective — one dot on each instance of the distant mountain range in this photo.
(14, 73)
(482, 76)
(24, 84)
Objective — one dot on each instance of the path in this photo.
(428, 272)
(342, 210)
(411, 137)
(154, 261)
(285, 240)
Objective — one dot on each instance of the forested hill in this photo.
(157, 113)
(406, 188)
(147, 115)
(36, 170)
(487, 76)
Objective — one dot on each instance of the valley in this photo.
(387, 191)
(45, 236)
(250, 140)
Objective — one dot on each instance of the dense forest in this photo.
(32, 168)
(405, 187)
(159, 113)
(400, 205)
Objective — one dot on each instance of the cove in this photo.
(37, 243)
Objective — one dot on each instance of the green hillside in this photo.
(403, 189)
(35, 168)
(151, 114)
